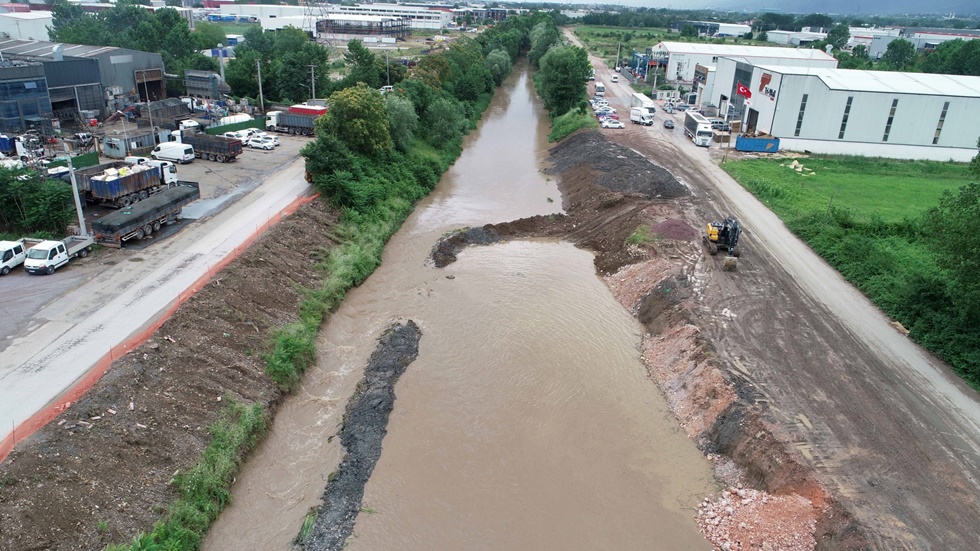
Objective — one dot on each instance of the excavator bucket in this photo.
(731, 263)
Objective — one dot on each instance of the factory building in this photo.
(713, 28)
(681, 58)
(305, 17)
(868, 113)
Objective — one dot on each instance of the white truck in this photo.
(47, 256)
(698, 128)
(641, 101)
(12, 254)
(168, 170)
(638, 115)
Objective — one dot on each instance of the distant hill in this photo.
(851, 7)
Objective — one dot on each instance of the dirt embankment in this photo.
(365, 426)
(102, 472)
(609, 193)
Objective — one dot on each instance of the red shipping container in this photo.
(307, 109)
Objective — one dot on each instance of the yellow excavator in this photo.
(724, 235)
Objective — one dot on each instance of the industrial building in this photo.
(305, 17)
(80, 78)
(713, 28)
(924, 40)
(869, 113)
(715, 85)
(681, 58)
(24, 98)
(30, 25)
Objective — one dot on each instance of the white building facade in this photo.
(868, 113)
(305, 17)
(32, 25)
(682, 57)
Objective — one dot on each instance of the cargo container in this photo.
(290, 123)
(767, 144)
(146, 217)
(117, 184)
(212, 148)
(316, 110)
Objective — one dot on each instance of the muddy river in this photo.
(527, 421)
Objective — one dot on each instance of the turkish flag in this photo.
(743, 90)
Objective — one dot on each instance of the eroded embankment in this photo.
(364, 428)
(632, 217)
(104, 470)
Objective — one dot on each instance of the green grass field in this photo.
(894, 190)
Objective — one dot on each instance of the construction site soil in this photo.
(101, 473)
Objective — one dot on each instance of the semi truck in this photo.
(698, 128)
(641, 101)
(298, 119)
(212, 148)
(117, 184)
(44, 257)
(146, 217)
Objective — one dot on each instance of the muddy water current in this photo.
(527, 421)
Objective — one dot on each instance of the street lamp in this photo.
(149, 106)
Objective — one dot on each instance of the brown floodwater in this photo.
(527, 421)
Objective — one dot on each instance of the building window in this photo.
(799, 120)
(939, 127)
(891, 117)
(843, 121)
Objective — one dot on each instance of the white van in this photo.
(12, 254)
(171, 151)
(600, 89)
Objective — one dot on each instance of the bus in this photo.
(600, 89)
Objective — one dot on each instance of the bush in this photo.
(571, 121)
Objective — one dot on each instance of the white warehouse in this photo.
(680, 58)
(869, 113)
(305, 17)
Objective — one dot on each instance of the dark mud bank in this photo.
(365, 426)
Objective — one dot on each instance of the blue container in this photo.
(757, 145)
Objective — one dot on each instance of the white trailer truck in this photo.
(698, 128)
(641, 101)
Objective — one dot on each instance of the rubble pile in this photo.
(743, 519)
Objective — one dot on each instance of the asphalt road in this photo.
(56, 327)
(886, 426)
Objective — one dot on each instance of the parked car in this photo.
(611, 116)
(259, 143)
(668, 124)
(612, 123)
(615, 78)
(718, 124)
(682, 107)
(267, 137)
(605, 111)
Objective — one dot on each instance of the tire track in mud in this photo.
(365, 426)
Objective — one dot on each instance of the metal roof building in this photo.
(870, 113)
(81, 77)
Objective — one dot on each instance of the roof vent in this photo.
(57, 53)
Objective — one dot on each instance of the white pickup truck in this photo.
(47, 256)
(12, 254)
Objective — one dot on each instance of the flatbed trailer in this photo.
(146, 217)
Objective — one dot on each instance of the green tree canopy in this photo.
(207, 35)
(359, 118)
(499, 63)
(899, 54)
(402, 120)
(838, 36)
(958, 252)
(563, 73)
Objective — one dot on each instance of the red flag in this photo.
(743, 90)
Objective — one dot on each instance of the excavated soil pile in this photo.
(619, 168)
(365, 426)
(101, 473)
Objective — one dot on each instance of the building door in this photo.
(752, 121)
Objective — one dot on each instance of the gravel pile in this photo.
(620, 169)
(744, 519)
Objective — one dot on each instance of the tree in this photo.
(689, 31)
(839, 36)
(763, 37)
(362, 65)
(975, 163)
(207, 35)
(30, 203)
(957, 251)
(499, 63)
(899, 54)
(444, 121)
(402, 120)
(563, 73)
(358, 117)
(815, 21)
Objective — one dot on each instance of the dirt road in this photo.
(118, 293)
(885, 425)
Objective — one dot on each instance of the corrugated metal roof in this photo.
(887, 81)
(739, 50)
(42, 49)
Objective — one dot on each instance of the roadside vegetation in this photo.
(898, 230)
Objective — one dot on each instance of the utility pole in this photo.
(258, 66)
(221, 62)
(149, 105)
(619, 49)
(387, 67)
(313, 81)
(74, 192)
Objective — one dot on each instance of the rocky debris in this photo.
(365, 426)
(445, 250)
(742, 519)
(619, 168)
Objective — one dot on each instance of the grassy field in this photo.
(603, 41)
(866, 218)
(892, 190)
